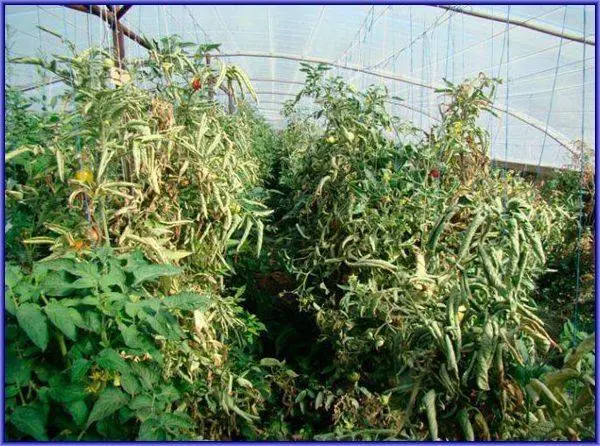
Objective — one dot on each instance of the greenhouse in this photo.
(299, 222)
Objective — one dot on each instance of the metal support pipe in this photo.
(118, 41)
(123, 10)
(522, 23)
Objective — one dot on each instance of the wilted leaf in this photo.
(429, 402)
(465, 424)
(270, 362)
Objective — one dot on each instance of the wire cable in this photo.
(581, 202)
(551, 96)
(505, 198)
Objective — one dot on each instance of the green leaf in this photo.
(92, 301)
(17, 371)
(30, 421)
(11, 391)
(163, 323)
(109, 402)
(115, 277)
(187, 301)
(150, 431)
(79, 411)
(61, 317)
(44, 372)
(135, 261)
(141, 402)
(132, 308)
(9, 303)
(109, 359)
(40, 269)
(55, 284)
(131, 336)
(130, 384)
(169, 393)
(176, 420)
(68, 393)
(92, 321)
(147, 375)
(34, 324)
(25, 291)
(85, 270)
(12, 275)
(125, 414)
(76, 317)
(152, 272)
(79, 369)
(84, 283)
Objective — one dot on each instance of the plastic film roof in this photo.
(548, 81)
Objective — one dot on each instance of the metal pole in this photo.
(521, 23)
(123, 10)
(230, 103)
(118, 41)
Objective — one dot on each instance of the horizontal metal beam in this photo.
(553, 134)
(521, 23)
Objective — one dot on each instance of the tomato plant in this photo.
(177, 271)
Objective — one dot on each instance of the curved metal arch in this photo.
(552, 133)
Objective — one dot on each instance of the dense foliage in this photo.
(175, 271)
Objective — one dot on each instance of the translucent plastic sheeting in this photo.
(422, 43)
